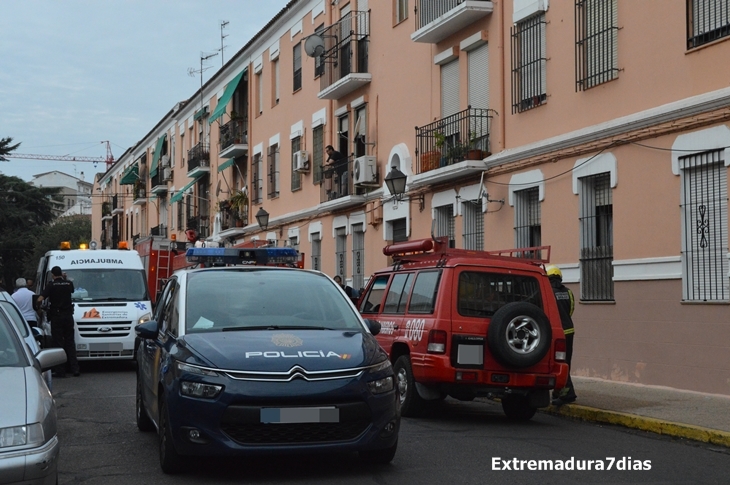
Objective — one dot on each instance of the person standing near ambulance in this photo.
(566, 305)
(61, 313)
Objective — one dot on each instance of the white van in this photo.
(110, 298)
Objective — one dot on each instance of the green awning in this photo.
(226, 164)
(179, 194)
(130, 176)
(220, 108)
(158, 151)
(200, 113)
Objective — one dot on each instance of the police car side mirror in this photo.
(147, 330)
(373, 325)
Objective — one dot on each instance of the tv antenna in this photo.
(224, 24)
(192, 72)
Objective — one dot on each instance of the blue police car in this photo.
(262, 358)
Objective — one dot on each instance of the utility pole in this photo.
(224, 24)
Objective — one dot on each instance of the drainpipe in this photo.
(502, 114)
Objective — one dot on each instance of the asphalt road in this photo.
(456, 443)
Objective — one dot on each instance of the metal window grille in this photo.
(596, 46)
(296, 177)
(317, 153)
(358, 257)
(473, 225)
(298, 66)
(340, 252)
(596, 233)
(707, 21)
(400, 230)
(528, 64)
(704, 225)
(528, 218)
(188, 207)
(257, 182)
(316, 252)
(445, 221)
(272, 172)
(401, 10)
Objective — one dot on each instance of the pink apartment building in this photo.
(597, 127)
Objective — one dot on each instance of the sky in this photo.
(74, 73)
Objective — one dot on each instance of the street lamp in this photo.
(262, 217)
(396, 183)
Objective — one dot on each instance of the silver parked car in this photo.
(28, 440)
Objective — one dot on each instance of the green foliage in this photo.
(6, 147)
(76, 229)
(24, 210)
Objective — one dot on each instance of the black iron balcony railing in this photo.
(199, 156)
(429, 10)
(201, 224)
(231, 218)
(235, 132)
(346, 48)
(160, 230)
(140, 191)
(158, 179)
(337, 180)
(106, 208)
(115, 202)
(461, 136)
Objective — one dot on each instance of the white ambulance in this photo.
(110, 299)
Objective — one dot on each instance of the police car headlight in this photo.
(198, 389)
(381, 385)
(380, 367)
(182, 367)
(144, 318)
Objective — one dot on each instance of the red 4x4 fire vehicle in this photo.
(468, 323)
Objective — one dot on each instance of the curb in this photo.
(687, 431)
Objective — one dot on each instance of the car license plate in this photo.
(111, 347)
(470, 355)
(300, 415)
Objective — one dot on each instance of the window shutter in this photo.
(478, 60)
(450, 88)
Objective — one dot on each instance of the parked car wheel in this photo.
(379, 457)
(517, 408)
(144, 423)
(170, 461)
(519, 335)
(411, 403)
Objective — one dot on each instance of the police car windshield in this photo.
(261, 299)
(108, 284)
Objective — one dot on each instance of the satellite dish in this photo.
(314, 45)
(218, 189)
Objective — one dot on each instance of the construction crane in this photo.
(109, 160)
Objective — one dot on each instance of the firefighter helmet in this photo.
(553, 270)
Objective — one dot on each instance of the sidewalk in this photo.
(683, 414)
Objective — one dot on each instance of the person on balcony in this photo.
(335, 165)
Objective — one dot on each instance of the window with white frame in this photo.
(317, 153)
(400, 230)
(704, 227)
(596, 42)
(319, 61)
(259, 93)
(400, 9)
(257, 179)
(473, 224)
(528, 225)
(316, 252)
(296, 177)
(707, 20)
(275, 82)
(358, 256)
(445, 221)
(272, 172)
(340, 252)
(528, 64)
(297, 67)
(596, 237)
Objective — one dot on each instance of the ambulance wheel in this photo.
(411, 404)
(519, 335)
(517, 408)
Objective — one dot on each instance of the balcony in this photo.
(438, 19)
(201, 224)
(106, 210)
(339, 183)
(456, 138)
(345, 57)
(159, 181)
(160, 230)
(116, 207)
(140, 193)
(232, 222)
(234, 138)
(198, 160)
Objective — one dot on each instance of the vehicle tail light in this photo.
(561, 350)
(466, 376)
(437, 342)
(545, 381)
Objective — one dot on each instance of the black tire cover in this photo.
(527, 348)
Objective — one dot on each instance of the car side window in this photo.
(163, 304)
(425, 290)
(398, 293)
(172, 313)
(372, 301)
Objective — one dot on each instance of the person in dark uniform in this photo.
(566, 305)
(61, 313)
(336, 164)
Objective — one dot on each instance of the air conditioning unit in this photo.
(167, 173)
(365, 171)
(301, 161)
(165, 160)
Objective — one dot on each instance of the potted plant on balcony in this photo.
(430, 160)
(238, 204)
(474, 152)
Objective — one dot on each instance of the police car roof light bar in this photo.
(253, 256)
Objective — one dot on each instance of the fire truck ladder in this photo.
(163, 263)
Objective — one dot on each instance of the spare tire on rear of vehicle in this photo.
(519, 335)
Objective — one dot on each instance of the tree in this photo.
(76, 229)
(24, 209)
(6, 147)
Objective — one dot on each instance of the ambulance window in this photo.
(371, 303)
(398, 292)
(424, 292)
(481, 294)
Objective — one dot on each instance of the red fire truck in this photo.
(157, 253)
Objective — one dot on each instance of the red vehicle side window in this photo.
(372, 301)
(424, 292)
(481, 294)
(398, 293)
